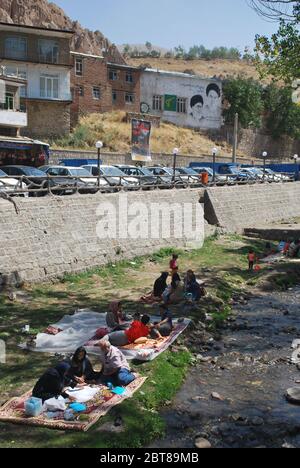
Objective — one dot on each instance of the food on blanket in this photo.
(142, 340)
(52, 330)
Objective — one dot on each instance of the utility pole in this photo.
(235, 137)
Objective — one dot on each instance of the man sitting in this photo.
(115, 368)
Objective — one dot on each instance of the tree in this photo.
(279, 56)
(148, 46)
(277, 10)
(282, 116)
(245, 98)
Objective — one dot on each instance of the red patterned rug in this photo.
(13, 411)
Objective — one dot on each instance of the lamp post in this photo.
(296, 158)
(264, 155)
(214, 154)
(99, 145)
(175, 153)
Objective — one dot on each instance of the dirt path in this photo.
(251, 374)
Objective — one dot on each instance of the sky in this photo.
(168, 23)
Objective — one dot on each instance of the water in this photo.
(252, 373)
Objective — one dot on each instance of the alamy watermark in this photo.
(2, 352)
(133, 220)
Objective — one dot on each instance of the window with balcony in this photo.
(16, 48)
(129, 98)
(48, 51)
(78, 67)
(49, 86)
(113, 75)
(9, 101)
(19, 73)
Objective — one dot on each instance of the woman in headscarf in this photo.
(115, 317)
(159, 287)
(193, 287)
(53, 382)
(81, 370)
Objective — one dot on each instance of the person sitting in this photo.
(165, 326)
(115, 317)
(81, 370)
(53, 382)
(138, 329)
(175, 292)
(159, 287)
(192, 287)
(115, 368)
(294, 249)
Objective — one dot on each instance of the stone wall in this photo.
(55, 235)
(47, 119)
(239, 207)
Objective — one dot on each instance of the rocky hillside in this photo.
(48, 15)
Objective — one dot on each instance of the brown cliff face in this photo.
(48, 15)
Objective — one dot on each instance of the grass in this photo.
(115, 132)
(222, 263)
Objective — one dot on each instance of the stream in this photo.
(249, 374)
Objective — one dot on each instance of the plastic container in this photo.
(33, 407)
(69, 415)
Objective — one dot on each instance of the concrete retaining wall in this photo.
(54, 235)
(239, 207)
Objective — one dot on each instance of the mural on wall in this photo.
(206, 109)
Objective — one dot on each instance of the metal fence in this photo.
(69, 185)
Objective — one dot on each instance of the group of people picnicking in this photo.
(290, 249)
(123, 330)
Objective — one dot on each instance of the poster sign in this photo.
(141, 131)
(170, 103)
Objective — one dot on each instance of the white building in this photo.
(182, 99)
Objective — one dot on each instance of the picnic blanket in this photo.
(13, 411)
(146, 351)
(80, 329)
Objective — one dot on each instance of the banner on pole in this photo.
(141, 131)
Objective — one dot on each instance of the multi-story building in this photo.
(12, 117)
(41, 57)
(101, 86)
(182, 99)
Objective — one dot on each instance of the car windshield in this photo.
(146, 171)
(31, 171)
(112, 171)
(2, 174)
(80, 172)
(187, 170)
(205, 169)
(169, 171)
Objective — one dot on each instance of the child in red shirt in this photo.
(251, 259)
(174, 263)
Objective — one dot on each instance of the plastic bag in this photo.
(56, 404)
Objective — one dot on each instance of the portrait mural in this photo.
(206, 109)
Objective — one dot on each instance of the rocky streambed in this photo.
(234, 396)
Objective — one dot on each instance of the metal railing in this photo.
(35, 186)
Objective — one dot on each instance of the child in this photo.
(174, 264)
(251, 259)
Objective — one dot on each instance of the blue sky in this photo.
(168, 23)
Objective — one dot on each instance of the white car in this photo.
(79, 173)
(10, 185)
(277, 176)
(114, 176)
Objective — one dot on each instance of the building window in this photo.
(48, 51)
(129, 98)
(96, 93)
(114, 96)
(181, 105)
(16, 48)
(113, 75)
(49, 85)
(129, 77)
(80, 91)
(9, 101)
(157, 104)
(78, 67)
(19, 73)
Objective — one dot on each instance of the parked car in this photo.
(142, 174)
(219, 179)
(235, 171)
(167, 176)
(10, 185)
(75, 176)
(34, 179)
(114, 176)
(277, 176)
(189, 175)
(257, 174)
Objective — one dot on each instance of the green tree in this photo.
(148, 46)
(282, 116)
(244, 97)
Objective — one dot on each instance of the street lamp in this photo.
(214, 154)
(264, 155)
(175, 153)
(296, 158)
(99, 145)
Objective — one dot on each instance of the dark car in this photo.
(144, 176)
(35, 179)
